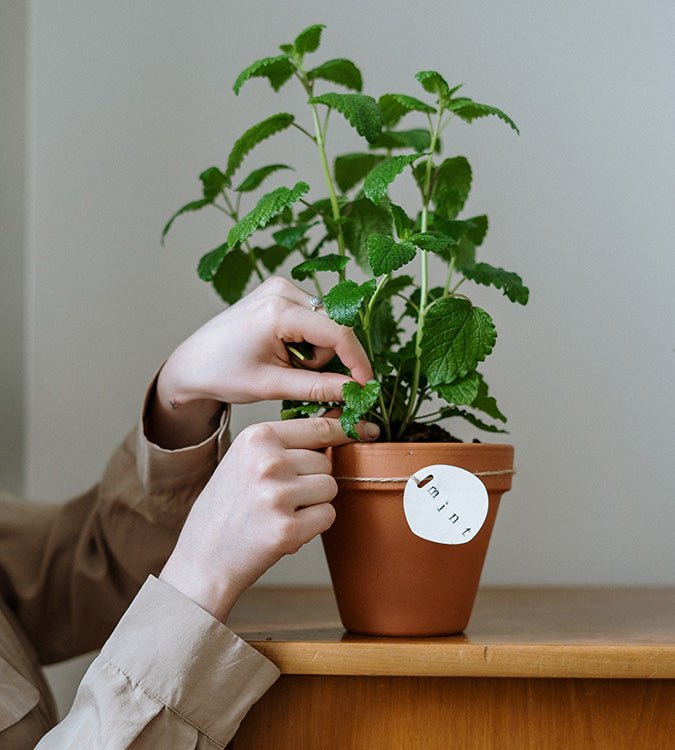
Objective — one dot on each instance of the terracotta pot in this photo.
(387, 580)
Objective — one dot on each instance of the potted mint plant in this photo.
(367, 258)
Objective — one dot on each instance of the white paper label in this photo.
(449, 508)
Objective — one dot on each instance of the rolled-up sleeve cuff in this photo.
(182, 656)
(162, 470)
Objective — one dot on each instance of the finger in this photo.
(300, 323)
(335, 413)
(313, 490)
(307, 462)
(298, 384)
(318, 433)
(314, 520)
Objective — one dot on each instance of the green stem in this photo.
(233, 213)
(424, 286)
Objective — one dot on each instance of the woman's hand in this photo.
(240, 356)
(269, 495)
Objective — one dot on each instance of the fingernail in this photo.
(372, 431)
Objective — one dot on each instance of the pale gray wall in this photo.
(130, 100)
(13, 59)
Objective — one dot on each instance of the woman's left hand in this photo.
(240, 356)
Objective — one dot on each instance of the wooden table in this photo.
(536, 668)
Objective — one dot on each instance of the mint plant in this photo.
(358, 231)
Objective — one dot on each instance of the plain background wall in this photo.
(129, 101)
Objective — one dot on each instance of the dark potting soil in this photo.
(428, 433)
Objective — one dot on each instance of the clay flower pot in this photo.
(387, 580)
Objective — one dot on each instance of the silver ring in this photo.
(316, 303)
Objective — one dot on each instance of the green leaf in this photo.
(213, 181)
(358, 401)
(434, 83)
(297, 409)
(382, 327)
(339, 71)
(382, 175)
(272, 257)
(209, 263)
(277, 70)
(417, 139)
(395, 106)
(402, 222)
(462, 391)
(360, 398)
(232, 275)
(510, 283)
(455, 338)
(478, 226)
(344, 301)
(359, 110)
(385, 255)
(362, 219)
(330, 262)
(452, 411)
(468, 110)
(350, 169)
(255, 135)
(395, 285)
(289, 237)
(255, 179)
(309, 39)
(433, 242)
(451, 186)
(485, 403)
(269, 206)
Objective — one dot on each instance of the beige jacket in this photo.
(169, 675)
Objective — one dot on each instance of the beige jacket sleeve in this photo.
(170, 676)
(68, 572)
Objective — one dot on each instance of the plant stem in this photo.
(424, 286)
(233, 213)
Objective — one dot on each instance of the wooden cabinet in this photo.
(536, 668)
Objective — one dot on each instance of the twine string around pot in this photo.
(399, 480)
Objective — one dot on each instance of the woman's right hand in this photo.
(270, 494)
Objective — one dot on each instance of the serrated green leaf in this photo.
(213, 181)
(455, 338)
(277, 70)
(464, 254)
(359, 110)
(510, 283)
(360, 398)
(382, 327)
(485, 403)
(340, 71)
(433, 242)
(209, 263)
(348, 420)
(382, 175)
(385, 255)
(232, 276)
(350, 169)
(269, 206)
(452, 411)
(478, 226)
(344, 301)
(434, 83)
(468, 110)
(395, 106)
(417, 139)
(297, 409)
(362, 218)
(272, 257)
(463, 391)
(289, 237)
(255, 179)
(331, 262)
(402, 222)
(308, 39)
(255, 135)
(451, 186)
